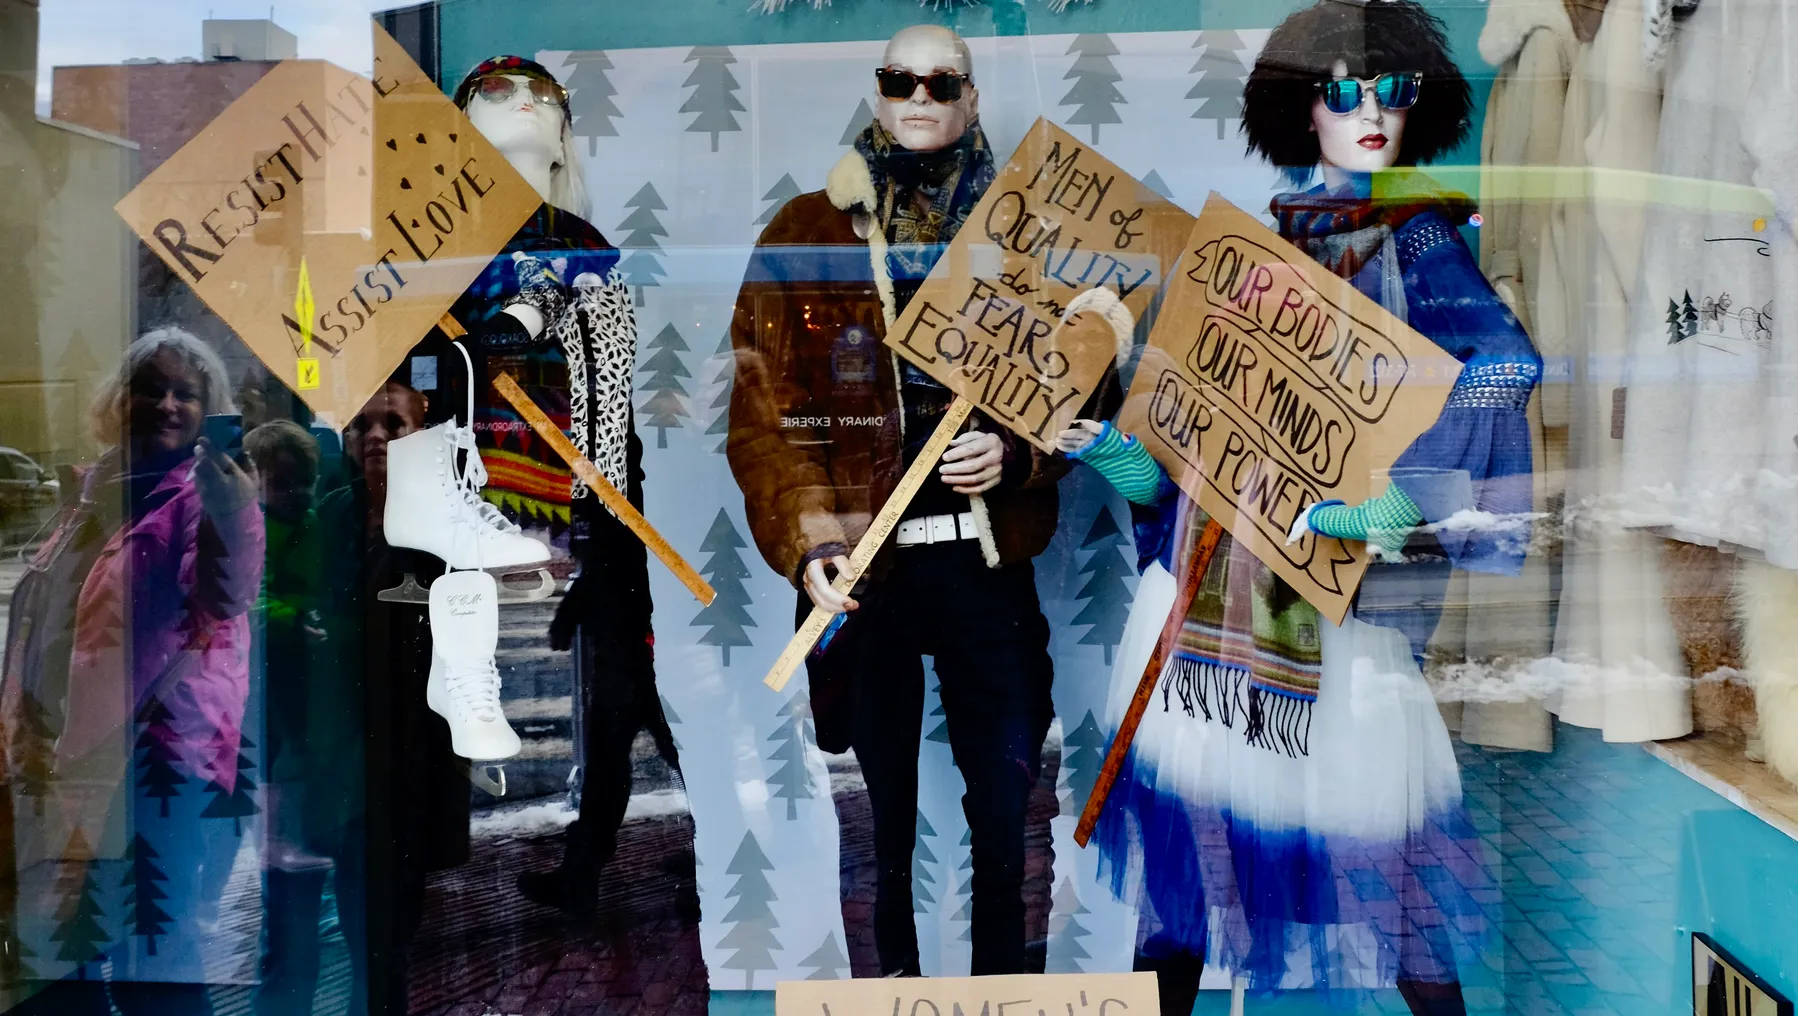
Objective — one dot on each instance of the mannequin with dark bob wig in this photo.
(1371, 39)
(1294, 764)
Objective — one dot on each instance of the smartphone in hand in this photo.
(225, 432)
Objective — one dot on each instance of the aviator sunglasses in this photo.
(499, 88)
(1343, 96)
(943, 86)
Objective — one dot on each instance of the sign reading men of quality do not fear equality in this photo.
(331, 220)
(1268, 384)
(1058, 220)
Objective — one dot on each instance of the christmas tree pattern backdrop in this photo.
(690, 154)
(161, 884)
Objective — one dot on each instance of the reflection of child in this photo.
(1292, 803)
(286, 461)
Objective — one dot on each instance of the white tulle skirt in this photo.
(1348, 866)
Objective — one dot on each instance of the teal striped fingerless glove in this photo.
(1124, 463)
(1385, 521)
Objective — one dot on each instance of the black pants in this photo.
(611, 605)
(990, 642)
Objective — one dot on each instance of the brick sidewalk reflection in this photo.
(484, 951)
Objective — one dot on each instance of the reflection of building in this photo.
(246, 39)
(68, 285)
(160, 105)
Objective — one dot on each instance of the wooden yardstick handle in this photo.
(863, 555)
(1139, 703)
(592, 477)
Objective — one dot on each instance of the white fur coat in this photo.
(1618, 664)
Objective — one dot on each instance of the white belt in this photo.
(936, 529)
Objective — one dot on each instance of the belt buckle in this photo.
(943, 529)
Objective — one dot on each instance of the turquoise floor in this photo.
(1606, 859)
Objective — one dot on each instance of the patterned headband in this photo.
(501, 65)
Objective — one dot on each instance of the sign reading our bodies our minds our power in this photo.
(1269, 384)
(1058, 220)
(332, 219)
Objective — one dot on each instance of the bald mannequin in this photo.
(920, 123)
(959, 585)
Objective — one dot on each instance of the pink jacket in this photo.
(186, 582)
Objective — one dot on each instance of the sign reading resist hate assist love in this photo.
(1059, 219)
(331, 220)
(1270, 384)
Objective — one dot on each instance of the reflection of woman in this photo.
(1292, 803)
(388, 799)
(144, 696)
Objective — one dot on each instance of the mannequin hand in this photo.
(1302, 525)
(1383, 522)
(1079, 434)
(817, 586)
(503, 331)
(225, 488)
(974, 463)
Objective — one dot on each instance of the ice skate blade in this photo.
(488, 776)
(409, 591)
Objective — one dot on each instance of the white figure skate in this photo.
(435, 505)
(464, 684)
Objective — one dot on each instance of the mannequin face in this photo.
(1363, 141)
(920, 123)
(520, 126)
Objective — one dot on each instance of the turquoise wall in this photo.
(472, 30)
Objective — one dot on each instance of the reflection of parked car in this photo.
(28, 495)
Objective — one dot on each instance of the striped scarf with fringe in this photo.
(1249, 650)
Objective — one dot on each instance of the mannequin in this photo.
(892, 205)
(1243, 824)
(555, 285)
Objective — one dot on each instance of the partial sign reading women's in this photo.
(1059, 220)
(1270, 384)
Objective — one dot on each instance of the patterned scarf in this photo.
(1343, 229)
(569, 274)
(924, 197)
(1251, 645)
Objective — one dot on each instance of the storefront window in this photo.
(592, 509)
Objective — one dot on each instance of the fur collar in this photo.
(1510, 22)
(850, 185)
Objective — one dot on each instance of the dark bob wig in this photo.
(1372, 37)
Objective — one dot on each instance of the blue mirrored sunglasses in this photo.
(1343, 96)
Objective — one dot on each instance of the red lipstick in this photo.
(1373, 142)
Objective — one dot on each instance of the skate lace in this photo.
(472, 478)
(474, 688)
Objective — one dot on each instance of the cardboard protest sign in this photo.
(1269, 384)
(1059, 219)
(331, 220)
(1006, 995)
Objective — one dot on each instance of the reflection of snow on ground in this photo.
(1510, 680)
(540, 818)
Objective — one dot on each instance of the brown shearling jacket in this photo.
(815, 416)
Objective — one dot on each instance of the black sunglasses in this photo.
(499, 88)
(1343, 96)
(943, 86)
